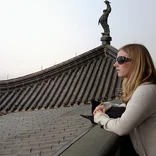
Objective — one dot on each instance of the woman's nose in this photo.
(115, 64)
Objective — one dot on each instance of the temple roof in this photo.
(76, 81)
(43, 109)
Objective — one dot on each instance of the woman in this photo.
(134, 64)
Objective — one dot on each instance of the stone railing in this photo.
(97, 142)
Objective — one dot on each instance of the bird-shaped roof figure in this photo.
(104, 17)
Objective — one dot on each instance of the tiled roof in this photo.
(76, 81)
(42, 132)
(43, 109)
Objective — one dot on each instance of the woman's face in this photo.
(124, 68)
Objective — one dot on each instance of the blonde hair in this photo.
(143, 69)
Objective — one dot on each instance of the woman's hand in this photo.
(100, 108)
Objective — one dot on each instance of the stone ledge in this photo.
(96, 142)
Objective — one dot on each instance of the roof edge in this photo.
(72, 142)
(51, 72)
(59, 65)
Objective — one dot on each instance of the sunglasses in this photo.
(122, 59)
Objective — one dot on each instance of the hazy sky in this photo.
(37, 34)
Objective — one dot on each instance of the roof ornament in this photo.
(103, 20)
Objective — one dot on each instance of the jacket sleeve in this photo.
(140, 107)
(108, 105)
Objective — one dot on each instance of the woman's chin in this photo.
(120, 75)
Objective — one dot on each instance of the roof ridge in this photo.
(51, 71)
(56, 70)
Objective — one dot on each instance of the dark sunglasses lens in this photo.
(120, 60)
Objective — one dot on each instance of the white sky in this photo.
(42, 33)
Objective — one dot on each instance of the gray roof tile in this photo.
(41, 132)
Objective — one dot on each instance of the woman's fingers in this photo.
(99, 108)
